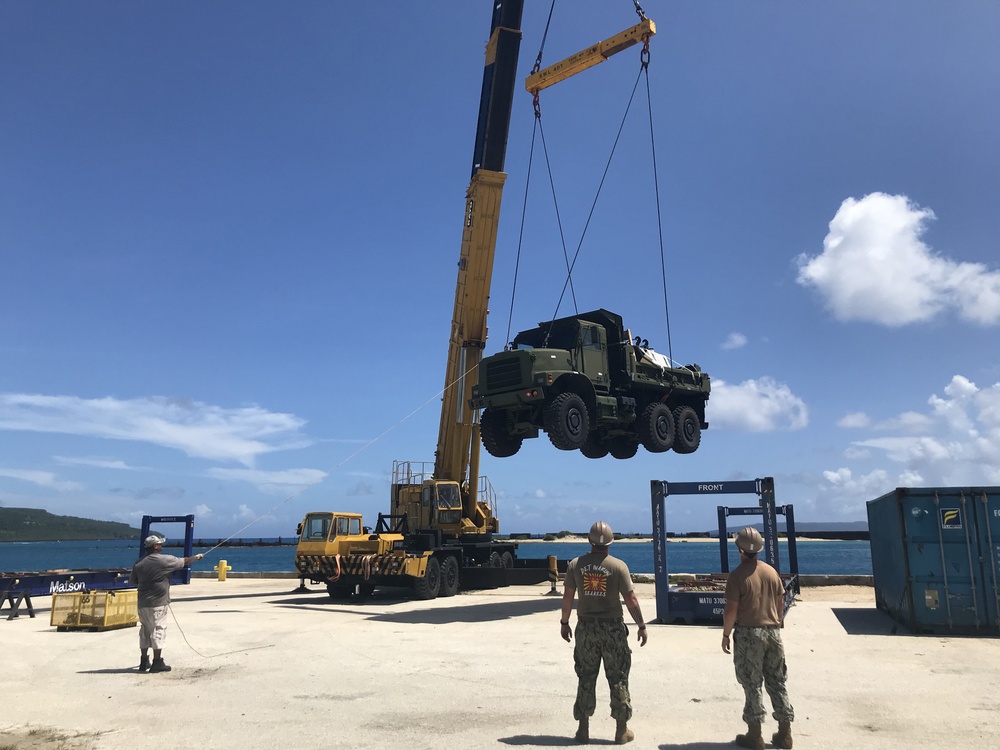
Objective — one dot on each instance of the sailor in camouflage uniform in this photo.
(755, 607)
(601, 634)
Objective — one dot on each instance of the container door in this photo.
(941, 549)
(986, 502)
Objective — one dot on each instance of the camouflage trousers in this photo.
(759, 657)
(606, 641)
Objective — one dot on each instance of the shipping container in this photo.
(935, 558)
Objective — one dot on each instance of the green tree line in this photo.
(32, 525)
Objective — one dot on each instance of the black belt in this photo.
(600, 619)
(768, 627)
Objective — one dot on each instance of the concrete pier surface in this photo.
(257, 664)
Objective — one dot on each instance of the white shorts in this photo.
(152, 627)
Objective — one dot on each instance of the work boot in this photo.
(623, 734)
(783, 737)
(159, 666)
(583, 733)
(752, 738)
(144, 663)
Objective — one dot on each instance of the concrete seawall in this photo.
(804, 580)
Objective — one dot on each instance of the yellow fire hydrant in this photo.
(222, 568)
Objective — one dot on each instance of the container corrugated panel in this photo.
(94, 610)
(936, 556)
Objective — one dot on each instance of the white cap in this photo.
(152, 540)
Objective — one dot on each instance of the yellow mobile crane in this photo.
(440, 531)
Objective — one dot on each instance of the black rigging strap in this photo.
(539, 131)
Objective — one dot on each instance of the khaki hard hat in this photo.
(600, 534)
(749, 540)
(152, 540)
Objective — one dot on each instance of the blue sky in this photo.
(228, 235)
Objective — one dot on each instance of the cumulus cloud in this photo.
(41, 478)
(761, 405)
(735, 340)
(272, 482)
(202, 511)
(199, 430)
(957, 442)
(875, 267)
(854, 420)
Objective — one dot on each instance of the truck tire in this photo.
(339, 591)
(506, 560)
(594, 447)
(656, 428)
(493, 430)
(449, 576)
(567, 421)
(428, 586)
(687, 433)
(495, 561)
(623, 447)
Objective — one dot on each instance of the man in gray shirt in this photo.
(151, 576)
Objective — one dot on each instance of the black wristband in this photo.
(642, 627)
(564, 623)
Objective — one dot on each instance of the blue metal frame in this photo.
(695, 605)
(184, 574)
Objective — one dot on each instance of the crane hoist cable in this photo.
(539, 130)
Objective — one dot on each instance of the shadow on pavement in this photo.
(698, 745)
(868, 621)
(440, 615)
(547, 740)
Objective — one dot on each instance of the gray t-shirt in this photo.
(151, 575)
(601, 581)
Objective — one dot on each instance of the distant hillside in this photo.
(31, 525)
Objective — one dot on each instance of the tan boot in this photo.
(623, 734)
(583, 733)
(783, 737)
(752, 738)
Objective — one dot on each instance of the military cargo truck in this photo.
(590, 387)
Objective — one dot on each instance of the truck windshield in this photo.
(316, 528)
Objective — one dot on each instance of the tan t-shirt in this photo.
(755, 586)
(601, 581)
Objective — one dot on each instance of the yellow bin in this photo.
(95, 610)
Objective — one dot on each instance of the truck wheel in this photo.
(428, 586)
(687, 435)
(623, 447)
(567, 422)
(339, 591)
(449, 576)
(656, 428)
(506, 560)
(495, 561)
(594, 447)
(493, 430)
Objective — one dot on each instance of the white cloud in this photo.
(40, 478)
(272, 482)
(761, 405)
(875, 267)
(361, 489)
(97, 463)
(956, 443)
(246, 513)
(854, 420)
(735, 340)
(197, 429)
(201, 511)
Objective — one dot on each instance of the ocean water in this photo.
(815, 557)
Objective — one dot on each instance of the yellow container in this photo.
(95, 610)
